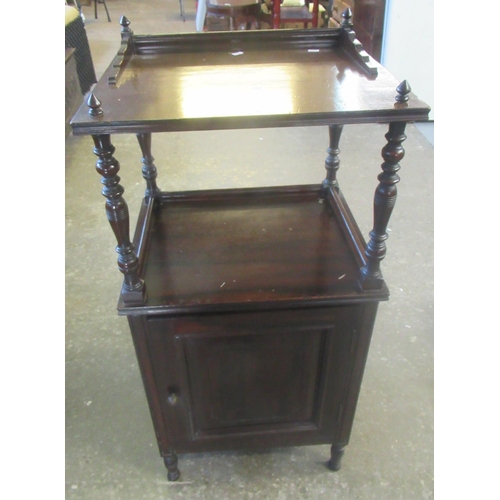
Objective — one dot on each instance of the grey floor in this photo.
(111, 451)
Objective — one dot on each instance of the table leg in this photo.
(336, 452)
(117, 212)
(385, 199)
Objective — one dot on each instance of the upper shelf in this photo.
(242, 79)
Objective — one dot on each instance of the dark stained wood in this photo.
(170, 460)
(261, 301)
(385, 199)
(117, 213)
(230, 391)
(337, 453)
(94, 105)
(332, 162)
(251, 248)
(149, 171)
(263, 78)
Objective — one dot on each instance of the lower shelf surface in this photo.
(253, 248)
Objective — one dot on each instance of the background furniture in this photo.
(294, 11)
(368, 17)
(73, 93)
(224, 15)
(105, 7)
(251, 309)
(79, 68)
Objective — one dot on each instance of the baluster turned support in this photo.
(117, 212)
(385, 199)
(332, 161)
(149, 171)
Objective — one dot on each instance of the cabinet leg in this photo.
(337, 453)
(171, 465)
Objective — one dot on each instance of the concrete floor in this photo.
(111, 451)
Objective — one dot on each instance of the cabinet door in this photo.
(254, 379)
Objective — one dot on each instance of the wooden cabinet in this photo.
(251, 309)
(260, 376)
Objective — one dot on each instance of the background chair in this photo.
(105, 6)
(293, 11)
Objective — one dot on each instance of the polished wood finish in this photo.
(332, 162)
(250, 249)
(117, 213)
(385, 199)
(263, 78)
(149, 171)
(260, 302)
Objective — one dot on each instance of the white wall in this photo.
(408, 45)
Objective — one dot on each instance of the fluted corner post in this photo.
(385, 199)
(117, 213)
(149, 171)
(332, 161)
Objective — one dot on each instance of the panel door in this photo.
(253, 379)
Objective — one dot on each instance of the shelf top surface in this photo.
(243, 80)
(250, 250)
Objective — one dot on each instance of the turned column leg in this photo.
(336, 453)
(332, 161)
(385, 199)
(117, 212)
(149, 171)
(171, 464)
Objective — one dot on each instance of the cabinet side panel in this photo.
(138, 330)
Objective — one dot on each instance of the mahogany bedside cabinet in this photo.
(248, 338)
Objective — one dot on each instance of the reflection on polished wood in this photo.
(245, 79)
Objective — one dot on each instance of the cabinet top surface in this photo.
(243, 80)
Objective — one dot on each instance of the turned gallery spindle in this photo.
(332, 161)
(149, 171)
(117, 213)
(385, 199)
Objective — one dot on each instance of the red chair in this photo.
(282, 14)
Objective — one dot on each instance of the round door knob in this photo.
(172, 399)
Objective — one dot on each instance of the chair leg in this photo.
(107, 13)
(95, 8)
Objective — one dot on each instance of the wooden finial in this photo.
(125, 23)
(403, 90)
(346, 18)
(95, 105)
